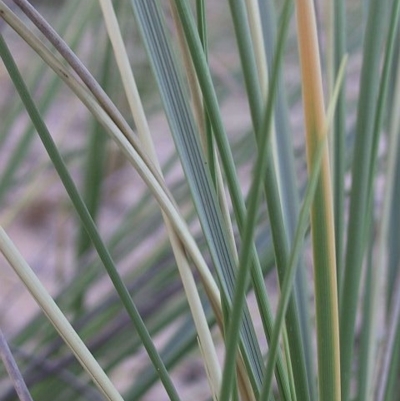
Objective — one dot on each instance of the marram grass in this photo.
(213, 242)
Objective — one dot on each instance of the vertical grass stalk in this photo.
(322, 225)
(360, 197)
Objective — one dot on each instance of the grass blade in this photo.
(272, 193)
(289, 194)
(290, 274)
(339, 136)
(393, 329)
(300, 233)
(94, 165)
(368, 356)
(253, 200)
(359, 198)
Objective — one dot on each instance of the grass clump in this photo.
(173, 271)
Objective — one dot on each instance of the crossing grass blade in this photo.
(273, 196)
(253, 200)
(289, 193)
(299, 238)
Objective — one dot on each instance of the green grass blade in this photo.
(301, 228)
(383, 89)
(359, 201)
(289, 194)
(280, 238)
(392, 388)
(253, 200)
(249, 67)
(393, 329)
(322, 225)
(290, 274)
(176, 348)
(367, 340)
(339, 136)
(202, 28)
(94, 164)
(211, 103)
(375, 280)
(187, 142)
(394, 186)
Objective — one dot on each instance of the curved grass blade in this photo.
(128, 145)
(86, 219)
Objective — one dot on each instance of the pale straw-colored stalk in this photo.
(57, 318)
